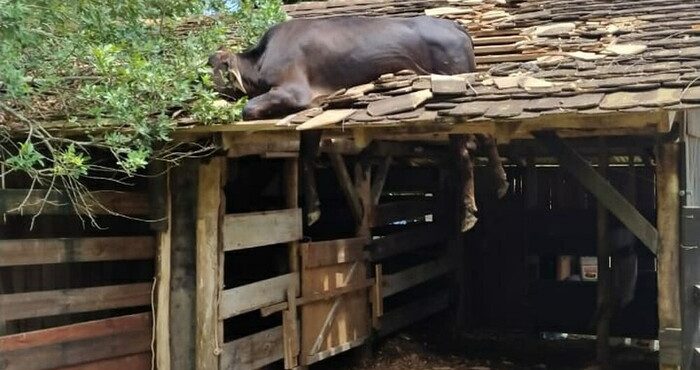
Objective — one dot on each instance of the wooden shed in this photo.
(594, 106)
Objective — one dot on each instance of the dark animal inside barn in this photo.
(299, 62)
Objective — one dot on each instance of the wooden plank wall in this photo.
(74, 295)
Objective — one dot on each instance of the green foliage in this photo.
(130, 65)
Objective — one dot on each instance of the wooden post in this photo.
(668, 225)
(183, 281)
(291, 330)
(209, 214)
(160, 197)
(604, 274)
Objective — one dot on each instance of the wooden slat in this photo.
(21, 252)
(254, 351)
(248, 230)
(99, 202)
(256, 295)
(75, 332)
(497, 40)
(413, 276)
(346, 185)
(413, 312)
(335, 350)
(387, 213)
(406, 241)
(332, 252)
(56, 302)
(140, 361)
(602, 190)
(85, 343)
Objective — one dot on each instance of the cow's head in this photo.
(227, 75)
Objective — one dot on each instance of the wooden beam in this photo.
(20, 252)
(162, 281)
(602, 190)
(410, 277)
(76, 332)
(335, 350)
(413, 312)
(257, 295)
(332, 252)
(604, 286)
(668, 221)
(406, 241)
(346, 185)
(98, 202)
(315, 297)
(209, 213)
(254, 351)
(379, 179)
(388, 213)
(56, 302)
(249, 230)
(183, 282)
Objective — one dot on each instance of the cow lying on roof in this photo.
(300, 61)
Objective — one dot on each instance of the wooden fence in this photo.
(75, 297)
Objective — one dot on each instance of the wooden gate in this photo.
(335, 314)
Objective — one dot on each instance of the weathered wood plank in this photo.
(406, 241)
(332, 252)
(335, 350)
(602, 190)
(140, 361)
(254, 351)
(98, 202)
(209, 213)
(413, 276)
(668, 221)
(74, 332)
(413, 312)
(184, 182)
(56, 302)
(248, 230)
(21, 252)
(81, 351)
(388, 213)
(256, 295)
(162, 289)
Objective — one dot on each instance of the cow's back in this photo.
(347, 51)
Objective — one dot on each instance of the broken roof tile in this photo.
(398, 104)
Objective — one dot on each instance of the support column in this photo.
(210, 210)
(668, 225)
(604, 274)
(184, 181)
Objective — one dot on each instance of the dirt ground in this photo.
(429, 347)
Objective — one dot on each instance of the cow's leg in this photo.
(278, 102)
(488, 143)
(465, 169)
(309, 146)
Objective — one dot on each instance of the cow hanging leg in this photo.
(465, 169)
(488, 143)
(309, 146)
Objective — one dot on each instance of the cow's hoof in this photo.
(468, 222)
(312, 217)
(502, 189)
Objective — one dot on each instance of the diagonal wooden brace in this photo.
(604, 192)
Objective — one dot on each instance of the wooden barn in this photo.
(594, 106)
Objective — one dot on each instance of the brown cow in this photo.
(299, 61)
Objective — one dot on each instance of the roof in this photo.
(536, 59)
